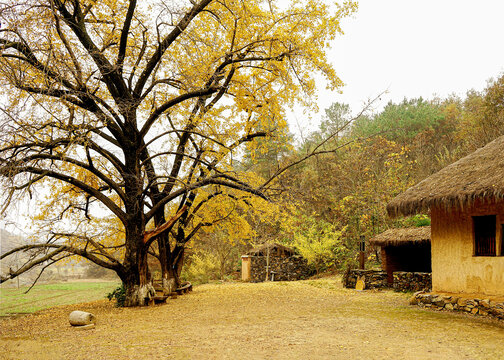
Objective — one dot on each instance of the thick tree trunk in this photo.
(136, 276)
(168, 274)
(170, 282)
(139, 295)
(180, 262)
(137, 283)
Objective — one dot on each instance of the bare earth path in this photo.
(314, 319)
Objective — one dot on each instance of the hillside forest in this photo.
(152, 139)
(324, 205)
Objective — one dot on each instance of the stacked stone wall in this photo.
(281, 268)
(374, 279)
(377, 279)
(483, 307)
(412, 281)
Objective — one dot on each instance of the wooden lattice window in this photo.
(484, 235)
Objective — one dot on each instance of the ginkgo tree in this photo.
(132, 113)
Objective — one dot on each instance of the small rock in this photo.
(426, 298)
(471, 303)
(485, 303)
(438, 301)
(462, 302)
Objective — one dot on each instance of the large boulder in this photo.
(81, 318)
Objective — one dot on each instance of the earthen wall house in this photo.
(456, 266)
(466, 205)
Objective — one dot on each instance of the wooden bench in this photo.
(185, 288)
(161, 297)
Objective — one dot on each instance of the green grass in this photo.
(13, 301)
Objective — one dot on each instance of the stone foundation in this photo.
(377, 279)
(374, 279)
(412, 281)
(483, 307)
(281, 268)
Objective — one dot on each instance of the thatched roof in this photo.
(394, 237)
(274, 249)
(478, 176)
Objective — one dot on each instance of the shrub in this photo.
(202, 268)
(418, 220)
(319, 242)
(119, 294)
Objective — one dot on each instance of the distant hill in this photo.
(60, 272)
(9, 241)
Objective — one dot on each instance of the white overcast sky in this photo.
(416, 48)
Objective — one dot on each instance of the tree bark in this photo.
(137, 282)
(169, 282)
(136, 276)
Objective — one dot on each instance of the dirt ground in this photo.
(313, 319)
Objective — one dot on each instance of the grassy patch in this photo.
(44, 296)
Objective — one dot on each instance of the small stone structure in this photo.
(378, 279)
(275, 262)
(483, 307)
(412, 281)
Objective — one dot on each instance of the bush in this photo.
(119, 294)
(202, 268)
(319, 242)
(418, 220)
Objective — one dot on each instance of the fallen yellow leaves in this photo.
(283, 320)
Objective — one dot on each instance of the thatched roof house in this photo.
(478, 176)
(404, 236)
(406, 249)
(466, 204)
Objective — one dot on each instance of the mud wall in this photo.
(455, 269)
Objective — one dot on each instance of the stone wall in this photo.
(483, 307)
(412, 281)
(374, 279)
(281, 268)
(377, 279)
